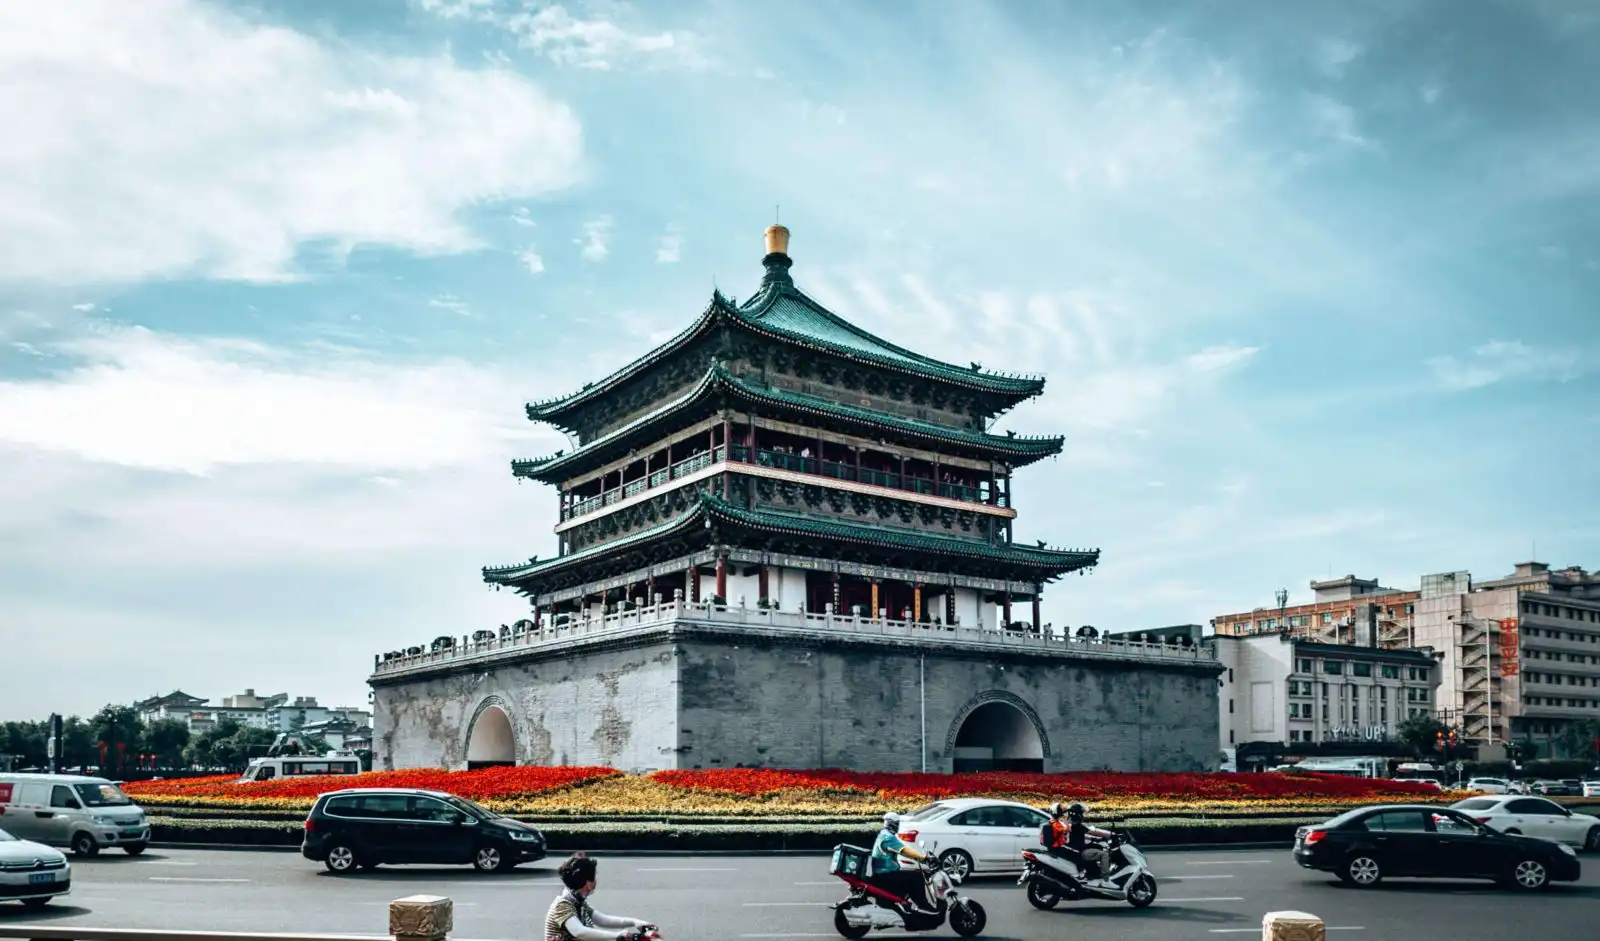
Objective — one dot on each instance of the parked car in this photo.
(1367, 845)
(1520, 815)
(1489, 785)
(363, 827)
(85, 813)
(32, 873)
(975, 834)
(1552, 789)
(1591, 788)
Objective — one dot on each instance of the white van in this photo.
(71, 810)
(300, 766)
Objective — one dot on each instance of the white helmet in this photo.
(891, 821)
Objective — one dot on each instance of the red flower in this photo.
(482, 784)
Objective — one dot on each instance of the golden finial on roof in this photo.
(777, 240)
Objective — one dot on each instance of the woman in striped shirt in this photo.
(570, 917)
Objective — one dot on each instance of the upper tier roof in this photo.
(1017, 450)
(783, 312)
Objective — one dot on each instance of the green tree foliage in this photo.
(228, 746)
(1421, 733)
(120, 730)
(1577, 739)
(166, 739)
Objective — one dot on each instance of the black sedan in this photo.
(1366, 845)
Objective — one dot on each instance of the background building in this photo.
(1346, 610)
(1521, 653)
(1304, 694)
(274, 712)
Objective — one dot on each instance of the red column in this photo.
(763, 582)
(1005, 616)
(1036, 612)
(722, 578)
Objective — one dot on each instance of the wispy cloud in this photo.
(670, 251)
(1506, 361)
(180, 139)
(450, 302)
(593, 242)
(532, 261)
(595, 43)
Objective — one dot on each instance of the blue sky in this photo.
(1315, 286)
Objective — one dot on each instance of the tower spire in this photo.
(777, 261)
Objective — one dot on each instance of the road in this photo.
(1204, 895)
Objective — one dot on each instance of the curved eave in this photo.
(552, 410)
(1018, 388)
(1045, 562)
(511, 574)
(1018, 452)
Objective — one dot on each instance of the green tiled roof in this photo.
(1045, 562)
(1055, 560)
(1020, 451)
(782, 311)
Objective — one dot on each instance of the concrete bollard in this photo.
(1292, 926)
(421, 918)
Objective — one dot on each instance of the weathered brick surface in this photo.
(703, 699)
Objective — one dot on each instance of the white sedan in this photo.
(1536, 817)
(971, 834)
(31, 873)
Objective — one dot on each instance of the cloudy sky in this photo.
(1315, 286)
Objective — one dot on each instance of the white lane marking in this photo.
(1258, 930)
(789, 935)
(685, 869)
(1219, 898)
(187, 879)
(834, 882)
(784, 904)
(453, 904)
(163, 862)
(1228, 862)
(1191, 878)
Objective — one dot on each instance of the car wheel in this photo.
(341, 859)
(1362, 870)
(85, 845)
(1530, 875)
(490, 859)
(36, 903)
(1592, 844)
(957, 863)
(134, 849)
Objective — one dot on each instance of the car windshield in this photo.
(1477, 803)
(927, 810)
(482, 813)
(102, 795)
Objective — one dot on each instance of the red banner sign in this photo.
(1510, 645)
(5, 793)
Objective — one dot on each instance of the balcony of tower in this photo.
(828, 460)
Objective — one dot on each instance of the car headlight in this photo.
(106, 821)
(1567, 849)
(527, 835)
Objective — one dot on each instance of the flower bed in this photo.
(492, 785)
(743, 793)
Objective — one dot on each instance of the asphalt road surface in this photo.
(1204, 895)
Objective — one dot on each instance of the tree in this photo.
(1576, 740)
(119, 729)
(167, 739)
(228, 745)
(25, 742)
(77, 745)
(1421, 733)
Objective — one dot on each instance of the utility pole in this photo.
(1282, 595)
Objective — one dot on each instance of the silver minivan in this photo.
(83, 813)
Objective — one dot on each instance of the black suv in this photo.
(363, 827)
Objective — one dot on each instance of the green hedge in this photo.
(646, 837)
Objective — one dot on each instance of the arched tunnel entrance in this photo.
(492, 741)
(998, 736)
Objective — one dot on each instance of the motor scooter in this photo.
(870, 908)
(1050, 879)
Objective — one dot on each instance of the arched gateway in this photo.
(997, 731)
(491, 740)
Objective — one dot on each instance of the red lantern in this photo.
(102, 754)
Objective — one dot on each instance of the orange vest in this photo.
(1058, 833)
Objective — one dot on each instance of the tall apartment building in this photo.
(1277, 688)
(1521, 653)
(1346, 610)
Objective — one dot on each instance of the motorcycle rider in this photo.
(886, 872)
(1053, 835)
(571, 919)
(1077, 849)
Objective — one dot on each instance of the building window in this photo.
(1230, 707)
(1327, 617)
(1332, 667)
(1230, 674)
(1390, 672)
(1230, 736)
(1361, 669)
(1305, 666)
(1411, 609)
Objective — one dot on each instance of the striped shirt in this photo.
(567, 905)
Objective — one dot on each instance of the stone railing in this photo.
(824, 624)
(414, 918)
